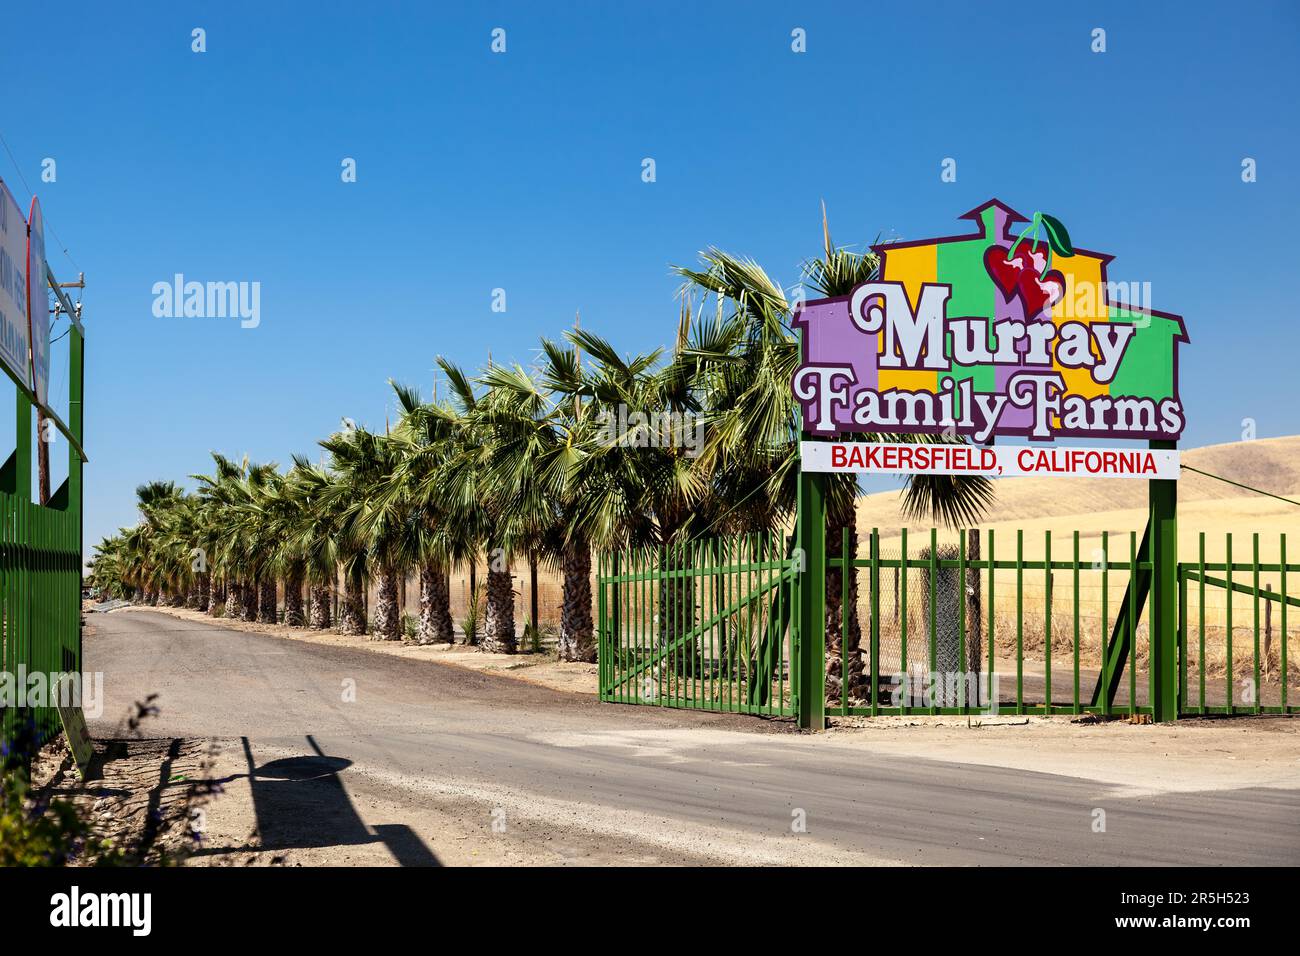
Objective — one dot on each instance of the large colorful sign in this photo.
(995, 333)
(14, 331)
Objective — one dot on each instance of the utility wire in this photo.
(30, 193)
(1229, 481)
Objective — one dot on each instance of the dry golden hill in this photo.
(1093, 505)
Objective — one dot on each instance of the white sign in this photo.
(13, 288)
(1000, 461)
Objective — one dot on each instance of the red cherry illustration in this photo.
(1037, 294)
(1019, 275)
(1007, 273)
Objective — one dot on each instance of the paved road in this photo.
(424, 741)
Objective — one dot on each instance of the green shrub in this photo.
(47, 836)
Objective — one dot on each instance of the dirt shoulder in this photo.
(148, 797)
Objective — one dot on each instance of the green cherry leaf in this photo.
(1057, 236)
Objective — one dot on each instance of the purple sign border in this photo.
(976, 214)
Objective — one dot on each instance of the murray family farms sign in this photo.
(1001, 332)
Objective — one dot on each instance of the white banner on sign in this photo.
(13, 288)
(1001, 461)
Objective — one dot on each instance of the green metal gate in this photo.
(950, 623)
(706, 625)
(1217, 674)
(40, 561)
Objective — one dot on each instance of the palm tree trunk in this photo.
(204, 589)
(576, 638)
(266, 601)
(532, 592)
(388, 618)
(216, 596)
(435, 605)
(234, 598)
(499, 627)
(251, 590)
(319, 612)
(352, 615)
(293, 612)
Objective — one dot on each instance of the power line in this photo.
(30, 194)
(1229, 481)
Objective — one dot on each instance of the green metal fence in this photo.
(703, 625)
(40, 561)
(1216, 674)
(946, 623)
(40, 588)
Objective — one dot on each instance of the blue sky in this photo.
(522, 171)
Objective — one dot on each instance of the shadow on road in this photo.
(300, 802)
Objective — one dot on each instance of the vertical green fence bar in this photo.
(1020, 622)
(1228, 594)
(875, 621)
(902, 618)
(1132, 624)
(846, 614)
(1182, 642)
(812, 601)
(1077, 703)
(1047, 622)
(1104, 700)
(1200, 654)
(1286, 674)
(963, 665)
(934, 620)
(603, 654)
(992, 701)
(1162, 628)
(1255, 602)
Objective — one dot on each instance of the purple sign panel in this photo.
(997, 332)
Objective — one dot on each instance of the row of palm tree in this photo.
(520, 462)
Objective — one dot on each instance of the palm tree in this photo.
(631, 485)
(155, 499)
(475, 503)
(281, 504)
(221, 493)
(421, 442)
(378, 524)
(535, 448)
(357, 465)
(313, 531)
(445, 471)
(748, 359)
